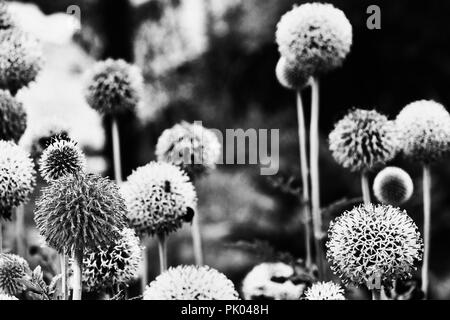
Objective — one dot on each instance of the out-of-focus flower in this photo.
(290, 76)
(176, 38)
(114, 86)
(159, 198)
(13, 118)
(316, 37)
(80, 211)
(20, 59)
(6, 21)
(424, 131)
(271, 281)
(61, 158)
(373, 241)
(17, 177)
(190, 146)
(191, 283)
(363, 140)
(13, 269)
(393, 186)
(117, 264)
(325, 291)
(7, 297)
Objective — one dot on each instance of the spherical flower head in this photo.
(13, 269)
(6, 21)
(159, 198)
(114, 87)
(325, 291)
(191, 283)
(7, 297)
(290, 76)
(17, 177)
(20, 59)
(424, 131)
(393, 186)
(80, 211)
(117, 264)
(13, 118)
(316, 37)
(61, 158)
(271, 281)
(363, 140)
(371, 242)
(190, 146)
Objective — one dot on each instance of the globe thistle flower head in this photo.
(159, 198)
(290, 76)
(190, 146)
(118, 263)
(17, 177)
(191, 283)
(7, 297)
(20, 59)
(13, 269)
(393, 186)
(80, 211)
(373, 241)
(325, 291)
(113, 87)
(271, 281)
(6, 21)
(363, 140)
(314, 36)
(13, 118)
(62, 157)
(424, 128)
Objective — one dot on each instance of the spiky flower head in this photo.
(371, 242)
(316, 37)
(191, 283)
(117, 264)
(290, 76)
(7, 297)
(190, 146)
(20, 59)
(325, 291)
(113, 87)
(424, 131)
(6, 21)
(271, 281)
(13, 270)
(13, 118)
(159, 198)
(363, 140)
(61, 158)
(17, 177)
(80, 211)
(393, 186)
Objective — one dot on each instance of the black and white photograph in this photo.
(249, 151)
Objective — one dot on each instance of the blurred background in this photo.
(214, 61)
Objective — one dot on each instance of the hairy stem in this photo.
(426, 226)
(365, 187)
(162, 250)
(116, 150)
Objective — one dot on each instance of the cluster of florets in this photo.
(13, 270)
(191, 283)
(373, 241)
(363, 140)
(393, 186)
(325, 291)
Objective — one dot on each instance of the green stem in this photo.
(116, 150)
(77, 274)
(365, 187)
(426, 227)
(162, 250)
(306, 212)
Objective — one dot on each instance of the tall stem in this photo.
(144, 266)
(64, 268)
(426, 226)
(365, 187)
(116, 150)
(20, 231)
(77, 274)
(197, 240)
(305, 175)
(162, 250)
(315, 187)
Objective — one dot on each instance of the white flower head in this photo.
(325, 291)
(315, 36)
(424, 131)
(290, 75)
(159, 198)
(191, 283)
(271, 281)
(393, 186)
(7, 297)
